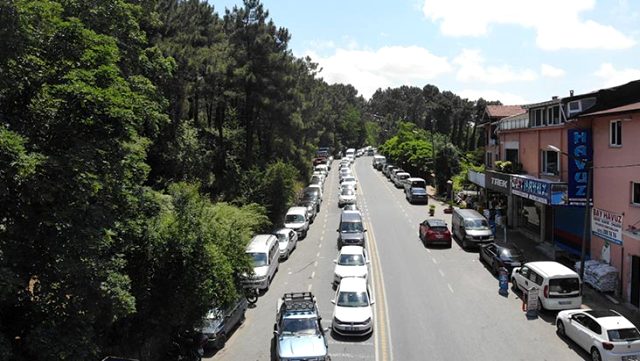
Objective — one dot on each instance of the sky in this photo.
(515, 51)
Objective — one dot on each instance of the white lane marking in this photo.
(351, 356)
(320, 244)
(428, 250)
(450, 288)
(336, 342)
(315, 264)
(441, 273)
(289, 272)
(313, 274)
(309, 288)
(317, 255)
(434, 260)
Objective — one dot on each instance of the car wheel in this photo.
(221, 341)
(494, 269)
(464, 243)
(560, 329)
(595, 354)
(539, 308)
(514, 284)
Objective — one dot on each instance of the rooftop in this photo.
(501, 111)
(622, 109)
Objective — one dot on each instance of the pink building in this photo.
(616, 190)
(545, 189)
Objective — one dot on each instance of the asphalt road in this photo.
(431, 303)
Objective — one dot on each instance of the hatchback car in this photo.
(496, 256)
(605, 334)
(287, 241)
(221, 321)
(351, 262)
(434, 231)
(352, 314)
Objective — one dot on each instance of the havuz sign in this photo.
(580, 154)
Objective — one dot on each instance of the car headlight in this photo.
(368, 320)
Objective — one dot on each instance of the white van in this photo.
(559, 287)
(264, 252)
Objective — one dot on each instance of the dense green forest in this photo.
(142, 144)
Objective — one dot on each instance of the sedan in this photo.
(287, 241)
(351, 262)
(605, 334)
(347, 196)
(312, 209)
(434, 231)
(351, 181)
(352, 314)
(501, 256)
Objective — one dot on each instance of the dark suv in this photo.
(351, 230)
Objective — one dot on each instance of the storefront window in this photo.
(529, 214)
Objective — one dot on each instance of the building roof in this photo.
(609, 98)
(622, 109)
(501, 111)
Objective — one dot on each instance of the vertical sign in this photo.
(580, 152)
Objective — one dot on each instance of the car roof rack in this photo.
(298, 301)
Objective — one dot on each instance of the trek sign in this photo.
(580, 154)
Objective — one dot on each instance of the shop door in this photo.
(635, 281)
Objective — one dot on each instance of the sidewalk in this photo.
(591, 298)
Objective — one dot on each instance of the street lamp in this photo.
(587, 207)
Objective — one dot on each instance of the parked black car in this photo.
(496, 256)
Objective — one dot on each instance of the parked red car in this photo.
(434, 231)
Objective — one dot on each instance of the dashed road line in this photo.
(313, 274)
(309, 288)
(441, 273)
(434, 260)
(450, 288)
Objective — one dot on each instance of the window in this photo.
(497, 156)
(615, 133)
(537, 117)
(635, 193)
(553, 115)
(489, 160)
(511, 155)
(550, 163)
(574, 107)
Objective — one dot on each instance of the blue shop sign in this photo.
(580, 153)
(539, 190)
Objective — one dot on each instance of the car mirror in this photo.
(365, 230)
(326, 329)
(372, 302)
(368, 261)
(275, 332)
(335, 261)
(333, 301)
(337, 230)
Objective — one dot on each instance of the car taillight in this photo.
(546, 291)
(607, 345)
(430, 233)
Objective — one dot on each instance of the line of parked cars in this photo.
(604, 334)
(415, 189)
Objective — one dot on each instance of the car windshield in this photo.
(259, 259)
(564, 285)
(299, 326)
(282, 237)
(353, 299)
(349, 179)
(351, 227)
(476, 224)
(294, 218)
(418, 184)
(624, 334)
(351, 260)
(347, 191)
(418, 191)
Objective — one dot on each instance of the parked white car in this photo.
(317, 186)
(296, 219)
(319, 175)
(347, 196)
(605, 334)
(559, 287)
(287, 241)
(351, 180)
(352, 314)
(351, 262)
